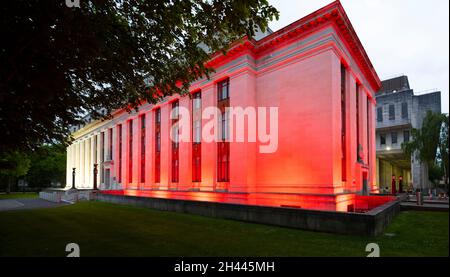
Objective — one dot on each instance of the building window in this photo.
(196, 137)
(225, 125)
(391, 112)
(358, 142)
(380, 114)
(224, 89)
(394, 138)
(223, 151)
(382, 139)
(110, 143)
(119, 131)
(157, 145)
(130, 151)
(143, 148)
(404, 110)
(405, 136)
(223, 162)
(343, 125)
(158, 142)
(175, 142)
(369, 126)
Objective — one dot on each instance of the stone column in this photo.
(209, 149)
(150, 148)
(185, 147)
(165, 147)
(114, 156)
(82, 164)
(98, 149)
(92, 153)
(90, 165)
(136, 154)
(68, 164)
(78, 165)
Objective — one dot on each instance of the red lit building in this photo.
(318, 75)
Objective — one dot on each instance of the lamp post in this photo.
(95, 176)
(73, 178)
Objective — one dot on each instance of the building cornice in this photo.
(333, 13)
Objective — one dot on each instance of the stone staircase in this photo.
(67, 195)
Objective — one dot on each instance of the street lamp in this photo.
(95, 176)
(73, 178)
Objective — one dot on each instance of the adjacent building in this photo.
(318, 77)
(399, 110)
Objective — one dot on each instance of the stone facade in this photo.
(399, 110)
(317, 75)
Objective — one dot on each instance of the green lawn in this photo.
(103, 229)
(15, 195)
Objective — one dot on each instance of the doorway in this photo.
(365, 183)
(107, 178)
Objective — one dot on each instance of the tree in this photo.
(59, 63)
(444, 148)
(435, 174)
(48, 165)
(427, 141)
(14, 164)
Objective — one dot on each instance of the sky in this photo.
(409, 37)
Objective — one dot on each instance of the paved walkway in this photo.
(24, 204)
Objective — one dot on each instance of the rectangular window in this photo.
(223, 162)
(157, 145)
(343, 125)
(224, 89)
(404, 110)
(130, 151)
(382, 139)
(358, 142)
(368, 129)
(196, 135)
(405, 136)
(394, 138)
(119, 131)
(158, 116)
(143, 148)
(223, 151)
(175, 142)
(380, 114)
(225, 125)
(391, 112)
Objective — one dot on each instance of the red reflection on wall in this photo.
(338, 203)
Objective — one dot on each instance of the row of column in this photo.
(82, 155)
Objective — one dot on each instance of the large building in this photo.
(399, 110)
(316, 80)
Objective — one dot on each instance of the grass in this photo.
(15, 195)
(103, 229)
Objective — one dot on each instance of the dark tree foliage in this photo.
(431, 145)
(48, 165)
(60, 63)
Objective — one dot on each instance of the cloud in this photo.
(400, 36)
